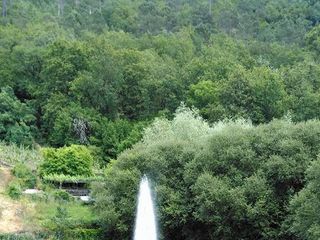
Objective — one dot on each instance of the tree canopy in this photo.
(233, 180)
(104, 78)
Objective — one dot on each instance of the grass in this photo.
(13, 154)
(39, 213)
(44, 211)
(19, 237)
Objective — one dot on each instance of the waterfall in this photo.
(145, 226)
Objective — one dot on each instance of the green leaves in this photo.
(268, 93)
(218, 205)
(231, 180)
(62, 64)
(16, 119)
(72, 161)
(313, 39)
(304, 207)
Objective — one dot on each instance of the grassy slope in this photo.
(31, 213)
(12, 154)
(11, 218)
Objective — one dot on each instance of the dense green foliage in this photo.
(15, 118)
(95, 72)
(26, 177)
(61, 178)
(304, 220)
(61, 217)
(75, 160)
(229, 181)
(14, 190)
(87, 76)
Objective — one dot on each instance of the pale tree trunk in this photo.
(77, 2)
(4, 8)
(59, 13)
(60, 7)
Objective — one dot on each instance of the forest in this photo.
(217, 101)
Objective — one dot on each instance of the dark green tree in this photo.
(16, 119)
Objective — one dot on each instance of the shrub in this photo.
(73, 161)
(14, 190)
(304, 218)
(84, 234)
(22, 236)
(62, 195)
(232, 180)
(28, 179)
(71, 179)
(60, 223)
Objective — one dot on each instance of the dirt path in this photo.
(10, 221)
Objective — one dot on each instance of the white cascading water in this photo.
(145, 226)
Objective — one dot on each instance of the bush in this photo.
(62, 195)
(60, 223)
(73, 161)
(23, 236)
(71, 179)
(28, 179)
(232, 180)
(84, 234)
(304, 218)
(14, 190)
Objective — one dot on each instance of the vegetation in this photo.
(72, 161)
(91, 86)
(16, 118)
(14, 190)
(62, 217)
(25, 175)
(99, 71)
(13, 154)
(232, 181)
(71, 179)
(304, 220)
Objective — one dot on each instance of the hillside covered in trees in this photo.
(97, 73)
(109, 67)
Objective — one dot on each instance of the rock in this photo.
(32, 191)
(85, 198)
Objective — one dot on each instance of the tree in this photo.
(75, 160)
(268, 93)
(16, 119)
(302, 85)
(63, 62)
(98, 87)
(313, 39)
(4, 8)
(62, 130)
(60, 7)
(304, 220)
(237, 95)
(232, 180)
(205, 96)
